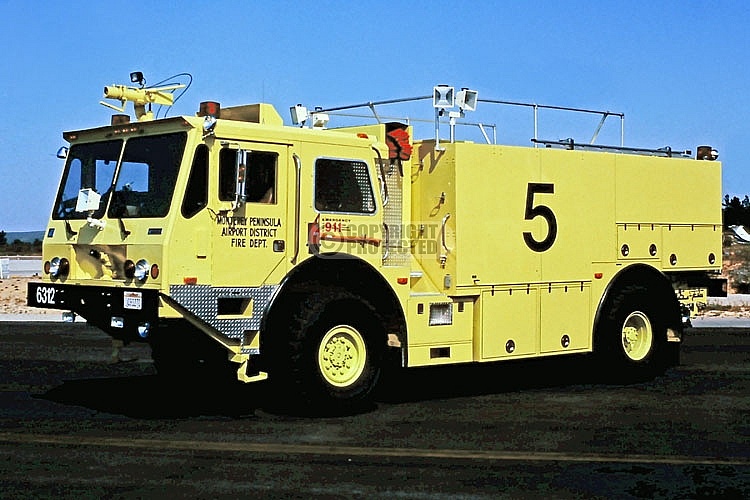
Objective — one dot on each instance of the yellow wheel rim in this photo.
(342, 356)
(637, 336)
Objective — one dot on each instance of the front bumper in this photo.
(119, 311)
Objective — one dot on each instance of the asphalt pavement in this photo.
(73, 424)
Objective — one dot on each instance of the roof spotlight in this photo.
(137, 77)
(467, 99)
(707, 153)
(299, 114)
(443, 96)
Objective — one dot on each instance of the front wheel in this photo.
(342, 356)
(334, 347)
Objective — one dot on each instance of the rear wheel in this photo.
(631, 336)
(637, 336)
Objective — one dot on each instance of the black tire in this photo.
(331, 356)
(631, 335)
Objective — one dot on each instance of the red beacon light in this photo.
(120, 119)
(210, 108)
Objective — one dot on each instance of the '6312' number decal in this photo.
(533, 211)
(45, 295)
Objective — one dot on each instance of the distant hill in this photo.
(25, 236)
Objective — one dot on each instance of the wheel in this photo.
(332, 355)
(631, 335)
(342, 356)
(637, 336)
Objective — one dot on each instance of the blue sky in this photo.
(680, 71)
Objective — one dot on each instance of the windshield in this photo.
(147, 176)
(145, 180)
(89, 166)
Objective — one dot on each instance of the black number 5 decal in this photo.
(533, 211)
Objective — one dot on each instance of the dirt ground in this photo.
(13, 298)
(736, 267)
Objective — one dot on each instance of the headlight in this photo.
(142, 268)
(59, 267)
(129, 268)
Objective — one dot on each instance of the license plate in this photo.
(133, 300)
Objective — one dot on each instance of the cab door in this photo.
(250, 231)
(347, 219)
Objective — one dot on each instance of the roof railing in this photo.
(439, 119)
(572, 145)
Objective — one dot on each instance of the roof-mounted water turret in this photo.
(140, 96)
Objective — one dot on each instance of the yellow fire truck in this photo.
(309, 255)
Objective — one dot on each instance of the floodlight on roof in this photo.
(137, 77)
(443, 96)
(320, 120)
(299, 114)
(466, 99)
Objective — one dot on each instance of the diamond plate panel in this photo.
(398, 254)
(203, 301)
(363, 179)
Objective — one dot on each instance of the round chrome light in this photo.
(58, 267)
(54, 266)
(209, 122)
(142, 268)
(144, 329)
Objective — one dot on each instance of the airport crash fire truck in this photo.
(311, 255)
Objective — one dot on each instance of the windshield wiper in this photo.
(69, 229)
(123, 229)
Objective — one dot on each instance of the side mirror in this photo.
(240, 167)
(62, 153)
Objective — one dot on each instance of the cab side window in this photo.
(260, 172)
(196, 194)
(227, 180)
(261, 177)
(343, 186)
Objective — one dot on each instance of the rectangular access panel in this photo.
(510, 325)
